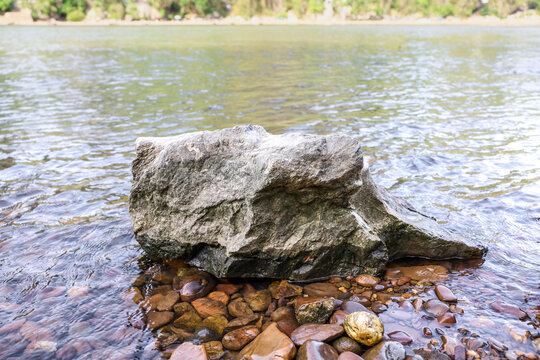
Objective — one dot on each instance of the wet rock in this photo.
(242, 321)
(313, 310)
(157, 319)
(378, 307)
(189, 351)
(259, 300)
(536, 343)
(269, 345)
(229, 289)
(214, 349)
(432, 355)
(167, 301)
(255, 206)
(338, 317)
(321, 290)
(346, 344)
(431, 273)
(460, 353)
(220, 296)
(449, 344)
(352, 306)
(364, 327)
(349, 356)
(318, 332)
(427, 332)
(283, 313)
(195, 286)
(435, 307)
(206, 307)
(238, 308)
(445, 294)
(519, 335)
(316, 350)
(12, 326)
(447, 319)
(283, 289)
(134, 294)
(237, 339)
(367, 280)
(287, 326)
(508, 309)
(400, 336)
(202, 335)
(216, 323)
(497, 345)
(187, 317)
(386, 350)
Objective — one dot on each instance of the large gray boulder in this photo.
(241, 202)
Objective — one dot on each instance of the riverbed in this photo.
(449, 118)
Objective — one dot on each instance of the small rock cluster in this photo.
(403, 315)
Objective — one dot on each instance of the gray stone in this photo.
(243, 203)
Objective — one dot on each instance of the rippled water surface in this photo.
(449, 117)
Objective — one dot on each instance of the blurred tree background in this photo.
(78, 10)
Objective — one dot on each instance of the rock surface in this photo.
(243, 203)
(364, 327)
(270, 344)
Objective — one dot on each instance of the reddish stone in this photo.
(447, 319)
(270, 344)
(511, 310)
(219, 296)
(188, 351)
(349, 356)
(318, 332)
(321, 290)
(237, 339)
(287, 326)
(229, 289)
(168, 300)
(238, 308)
(157, 319)
(195, 286)
(283, 313)
(206, 307)
(237, 323)
(445, 294)
(401, 337)
(316, 350)
(338, 317)
(367, 280)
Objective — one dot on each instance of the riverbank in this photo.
(515, 20)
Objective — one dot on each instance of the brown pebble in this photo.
(447, 319)
(427, 332)
(237, 339)
(445, 294)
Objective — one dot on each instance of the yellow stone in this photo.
(364, 327)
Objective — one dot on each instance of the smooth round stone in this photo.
(219, 296)
(346, 344)
(427, 332)
(238, 308)
(287, 326)
(386, 350)
(283, 313)
(242, 321)
(378, 307)
(237, 339)
(215, 323)
(338, 317)
(445, 294)
(536, 343)
(364, 327)
(367, 280)
(195, 286)
(511, 310)
(321, 290)
(270, 344)
(347, 355)
(258, 300)
(189, 351)
(435, 307)
(400, 336)
(316, 350)
(187, 317)
(313, 310)
(206, 307)
(157, 319)
(447, 319)
(352, 306)
(318, 332)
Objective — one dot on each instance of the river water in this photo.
(449, 118)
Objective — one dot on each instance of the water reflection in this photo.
(448, 116)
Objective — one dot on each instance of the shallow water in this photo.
(449, 117)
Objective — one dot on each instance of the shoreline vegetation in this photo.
(270, 12)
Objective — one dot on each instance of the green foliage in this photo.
(6, 5)
(115, 11)
(75, 15)
(132, 11)
(316, 6)
(446, 10)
